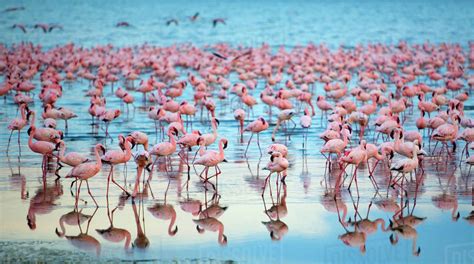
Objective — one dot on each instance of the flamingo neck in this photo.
(413, 245)
(172, 139)
(455, 209)
(170, 226)
(221, 149)
(23, 114)
(30, 139)
(61, 225)
(128, 151)
(128, 239)
(415, 156)
(62, 151)
(221, 234)
(146, 145)
(345, 139)
(97, 158)
(382, 224)
(33, 117)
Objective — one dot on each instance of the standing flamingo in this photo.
(18, 124)
(239, 115)
(256, 127)
(165, 149)
(212, 159)
(115, 157)
(85, 171)
(305, 122)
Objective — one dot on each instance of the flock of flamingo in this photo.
(367, 98)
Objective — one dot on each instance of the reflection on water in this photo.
(152, 206)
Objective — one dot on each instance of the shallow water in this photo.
(312, 218)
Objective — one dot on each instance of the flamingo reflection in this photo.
(275, 225)
(114, 234)
(208, 218)
(141, 241)
(356, 238)
(83, 240)
(448, 200)
(71, 218)
(369, 226)
(165, 211)
(43, 202)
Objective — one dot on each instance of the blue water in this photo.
(248, 22)
(312, 229)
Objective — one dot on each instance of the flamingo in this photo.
(72, 159)
(212, 159)
(44, 148)
(305, 122)
(85, 171)
(18, 124)
(139, 138)
(47, 133)
(407, 165)
(165, 149)
(277, 164)
(239, 115)
(143, 160)
(355, 157)
(284, 115)
(115, 157)
(447, 132)
(255, 127)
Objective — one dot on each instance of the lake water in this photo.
(312, 216)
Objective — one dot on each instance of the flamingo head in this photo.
(199, 229)
(173, 131)
(216, 121)
(199, 140)
(31, 221)
(32, 129)
(224, 141)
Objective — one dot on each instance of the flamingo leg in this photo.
(78, 192)
(248, 144)
(9, 139)
(19, 144)
(89, 191)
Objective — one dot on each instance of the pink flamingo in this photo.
(165, 149)
(139, 138)
(116, 157)
(18, 124)
(407, 165)
(239, 115)
(41, 147)
(212, 158)
(143, 160)
(305, 122)
(447, 132)
(85, 171)
(277, 164)
(256, 127)
(355, 157)
(48, 133)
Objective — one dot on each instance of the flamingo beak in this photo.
(172, 233)
(200, 230)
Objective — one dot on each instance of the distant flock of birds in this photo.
(47, 28)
